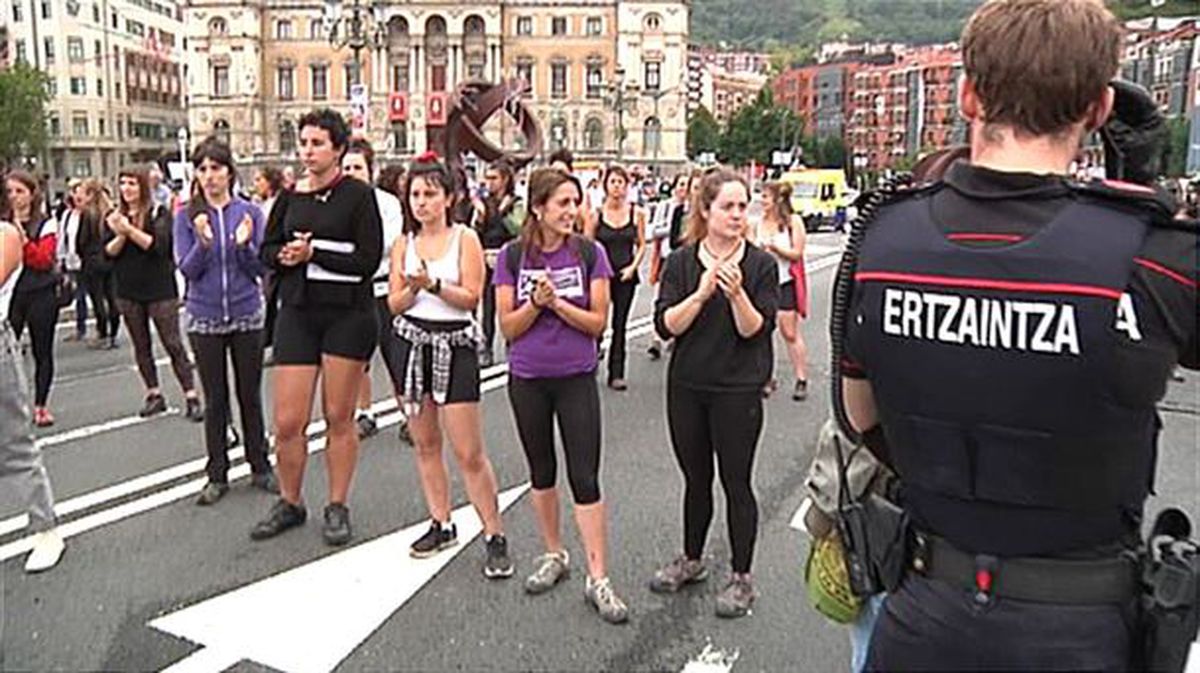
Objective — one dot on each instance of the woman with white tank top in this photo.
(434, 286)
(781, 233)
(20, 458)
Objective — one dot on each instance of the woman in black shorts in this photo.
(436, 280)
(324, 240)
(781, 233)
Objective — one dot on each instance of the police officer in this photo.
(1008, 335)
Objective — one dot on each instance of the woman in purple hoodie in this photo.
(217, 240)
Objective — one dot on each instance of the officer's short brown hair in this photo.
(1038, 65)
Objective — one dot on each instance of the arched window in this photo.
(593, 135)
(217, 26)
(221, 130)
(652, 136)
(287, 136)
(653, 23)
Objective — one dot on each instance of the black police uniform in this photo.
(1017, 331)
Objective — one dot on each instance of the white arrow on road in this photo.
(317, 613)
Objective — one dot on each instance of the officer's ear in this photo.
(969, 107)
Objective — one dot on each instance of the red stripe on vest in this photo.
(1000, 238)
(990, 284)
(1169, 273)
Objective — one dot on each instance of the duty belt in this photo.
(1038, 580)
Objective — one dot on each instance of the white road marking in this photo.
(87, 431)
(712, 660)
(1193, 662)
(82, 377)
(205, 660)
(363, 586)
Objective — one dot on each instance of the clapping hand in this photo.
(117, 223)
(298, 251)
(545, 293)
(420, 280)
(245, 230)
(203, 228)
(729, 278)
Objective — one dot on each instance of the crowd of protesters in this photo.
(309, 277)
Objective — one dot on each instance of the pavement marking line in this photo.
(364, 585)
(86, 431)
(712, 660)
(1193, 662)
(81, 377)
(207, 659)
(188, 489)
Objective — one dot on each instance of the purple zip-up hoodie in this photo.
(223, 278)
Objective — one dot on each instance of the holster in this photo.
(1170, 601)
(877, 535)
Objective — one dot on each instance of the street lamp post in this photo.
(355, 25)
(657, 95)
(619, 96)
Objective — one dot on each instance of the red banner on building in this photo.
(398, 106)
(435, 108)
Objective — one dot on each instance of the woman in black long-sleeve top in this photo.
(324, 241)
(138, 242)
(718, 301)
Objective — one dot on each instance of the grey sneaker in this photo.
(552, 567)
(600, 595)
(673, 576)
(737, 597)
(497, 565)
(211, 493)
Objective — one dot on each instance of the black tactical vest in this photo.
(994, 368)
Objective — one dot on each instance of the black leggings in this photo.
(165, 314)
(729, 424)
(103, 292)
(39, 310)
(245, 349)
(622, 302)
(576, 402)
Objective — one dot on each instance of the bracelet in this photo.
(436, 288)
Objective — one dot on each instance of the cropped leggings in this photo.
(729, 424)
(575, 401)
(165, 315)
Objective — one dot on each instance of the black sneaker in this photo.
(800, 392)
(366, 426)
(337, 524)
(486, 359)
(655, 351)
(211, 493)
(195, 410)
(497, 565)
(283, 515)
(437, 538)
(403, 432)
(155, 404)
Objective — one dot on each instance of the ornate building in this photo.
(594, 67)
(115, 80)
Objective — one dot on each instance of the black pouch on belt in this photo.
(1170, 594)
(877, 536)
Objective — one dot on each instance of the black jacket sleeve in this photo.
(275, 237)
(672, 289)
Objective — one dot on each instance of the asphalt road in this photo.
(140, 551)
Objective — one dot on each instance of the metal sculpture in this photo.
(473, 105)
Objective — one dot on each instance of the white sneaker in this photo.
(48, 547)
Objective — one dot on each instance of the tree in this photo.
(758, 129)
(23, 98)
(703, 133)
(1175, 156)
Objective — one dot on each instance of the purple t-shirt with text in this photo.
(551, 348)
